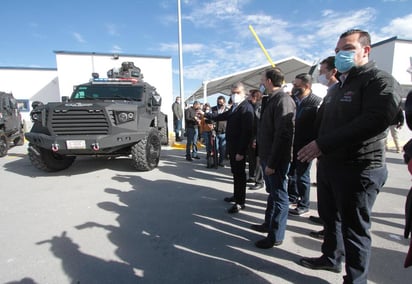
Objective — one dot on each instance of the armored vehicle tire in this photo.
(146, 152)
(19, 141)
(4, 146)
(164, 134)
(49, 161)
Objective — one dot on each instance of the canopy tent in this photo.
(250, 78)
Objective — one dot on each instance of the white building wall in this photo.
(402, 60)
(33, 84)
(77, 68)
(383, 56)
(395, 57)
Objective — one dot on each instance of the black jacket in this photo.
(276, 128)
(305, 130)
(239, 127)
(356, 115)
(220, 125)
(190, 118)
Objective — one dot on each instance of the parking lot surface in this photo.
(100, 221)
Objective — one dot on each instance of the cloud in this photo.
(311, 40)
(33, 25)
(210, 14)
(78, 37)
(117, 49)
(112, 30)
(187, 47)
(400, 27)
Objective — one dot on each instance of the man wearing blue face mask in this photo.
(351, 156)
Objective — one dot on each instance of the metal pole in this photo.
(182, 93)
(179, 16)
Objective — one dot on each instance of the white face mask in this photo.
(323, 80)
(236, 98)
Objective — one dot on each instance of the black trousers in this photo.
(346, 195)
(239, 178)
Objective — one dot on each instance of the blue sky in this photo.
(216, 38)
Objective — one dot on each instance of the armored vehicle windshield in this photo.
(110, 91)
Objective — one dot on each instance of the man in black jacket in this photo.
(192, 121)
(307, 104)
(239, 129)
(220, 128)
(351, 156)
(274, 142)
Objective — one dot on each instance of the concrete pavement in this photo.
(102, 222)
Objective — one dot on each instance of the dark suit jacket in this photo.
(239, 127)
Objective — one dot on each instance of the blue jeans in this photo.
(299, 183)
(191, 141)
(206, 135)
(277, 207)
(177, 124)
(346, 195)
(221, 146)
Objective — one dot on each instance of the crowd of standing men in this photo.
(346, 133)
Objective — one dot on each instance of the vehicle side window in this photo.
(23, 105)
(6, 104)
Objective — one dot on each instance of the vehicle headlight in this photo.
(124, 116)
(36, 116)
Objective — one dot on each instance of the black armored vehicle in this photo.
(115, 116)
(11, 126)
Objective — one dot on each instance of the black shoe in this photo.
(221, 165)
(251, 180)
(320, 263)
(263, 228)
(189, 159)
(178, 139)
(256, 186)
(317, 234)
(293, 203)
(196, 157)
(298, 211)
(316, 220)
(267, 243)
(229, 199)
(236, 208)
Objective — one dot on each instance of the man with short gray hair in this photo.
(239, 131)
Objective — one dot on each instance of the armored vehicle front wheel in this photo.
(146, 152)
(4, 146)
(164, 135)
(49, 161)
(19, 141)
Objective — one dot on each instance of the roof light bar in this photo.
(114, 80)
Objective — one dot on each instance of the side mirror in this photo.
(156, 100)
(65, 99)
(35, 104)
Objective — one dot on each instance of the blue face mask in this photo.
(344, 60)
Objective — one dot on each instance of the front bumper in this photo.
(85, 144)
